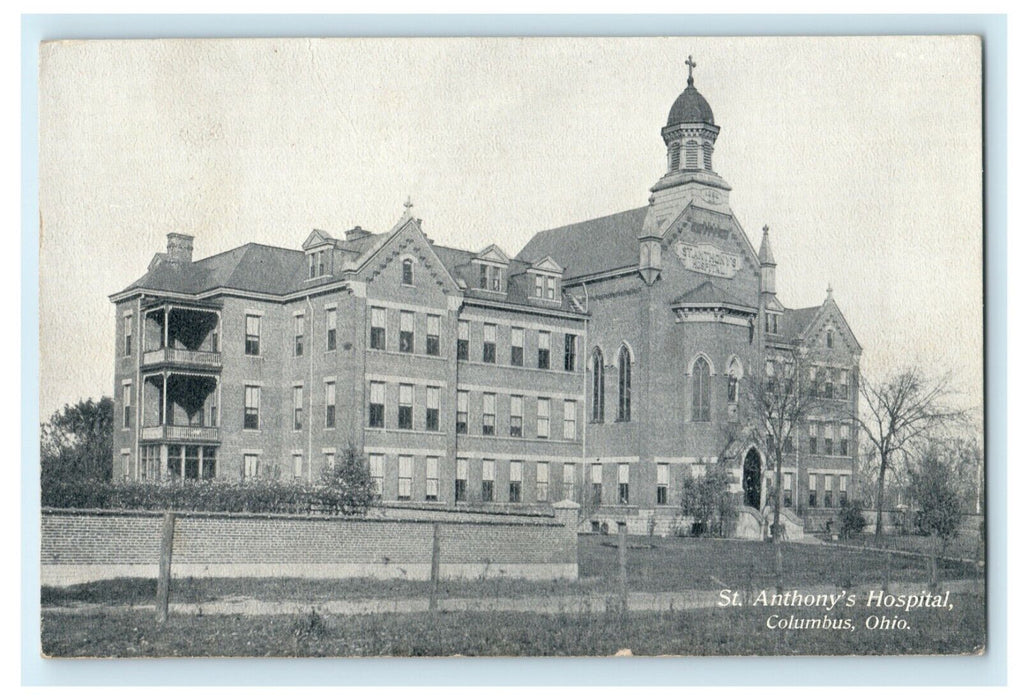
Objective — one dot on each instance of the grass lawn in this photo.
(964, 546)
(654, 564)
(730, 631)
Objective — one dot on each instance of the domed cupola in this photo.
(690, 108)
(690, 132)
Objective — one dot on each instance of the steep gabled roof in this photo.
(708, 294)
(796, 321)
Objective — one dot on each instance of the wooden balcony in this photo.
(182, 358)
(181, 433)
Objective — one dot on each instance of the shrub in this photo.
(852, 522)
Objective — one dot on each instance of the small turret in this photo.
(650, 249)
(767, 263)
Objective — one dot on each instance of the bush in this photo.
(852, 522)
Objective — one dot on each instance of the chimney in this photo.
(356, 233)
(179, 247)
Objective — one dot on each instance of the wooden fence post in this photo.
(434, 575)
(166, 554)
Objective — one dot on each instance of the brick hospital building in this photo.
(600, 364)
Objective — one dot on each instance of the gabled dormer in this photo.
(544, 280)
(319, 248)
(773, 316)
(489, 271)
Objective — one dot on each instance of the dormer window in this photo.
(408, 273)
(545, 287)
(772, 323)
(490, 277)
(316, 264)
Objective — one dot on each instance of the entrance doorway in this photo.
(751, 478)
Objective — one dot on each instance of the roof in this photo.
(589, 247)
(690, 108)
(708, 293)
(796, 321)
(765, 250)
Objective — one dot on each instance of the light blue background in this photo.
(986, 670)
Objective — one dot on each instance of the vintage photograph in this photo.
(512, 347)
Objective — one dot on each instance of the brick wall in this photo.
(80, 546)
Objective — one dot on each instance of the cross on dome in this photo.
(691, 67)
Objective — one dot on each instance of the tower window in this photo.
(707, 157)
(700, 391)
(691, 155)
(598, 396)
(675, 157)
(624, 386)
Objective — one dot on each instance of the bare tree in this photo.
(899, 413)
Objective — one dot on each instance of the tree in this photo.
(708, 500)
(935, 490)
(350, 482)
(900, 413)
(76, 444)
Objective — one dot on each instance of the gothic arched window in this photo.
(700, 390)
(408, 272)
(598, 396)
(624, 385)
(734, 373)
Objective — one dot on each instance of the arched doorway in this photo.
(751, 478)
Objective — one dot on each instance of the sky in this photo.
(863, 155)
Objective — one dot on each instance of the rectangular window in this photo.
(127, 334)
(517, 346)
(331, 329)
(538, 287)
(843, 392)
(813, 439)
(828, 388)
(788, 490)
(542, 424)
(623, 477)
(299, 335)
(828, 493)
(462, 412)
(377, 332)
(515, 482)
(463, 339)
(515, 416)
(570, 352)
(297, 465)
(405, 473)
(570, 419)
(489, 414)
(331, 404)
(376, 463)
(253, 396)
(126, 400)
(432, 408)
(597, 483)
(489, 343)
(544, 347)
(214, 409)
(407, 337)
(432, 334)
(483, 276)
(843, 490)
(662, 484)
(569, 481)
(488, 467)
(329, 461)
(551, 288)
(461, 480)
(828, 433)
(405, 399)
(542, 482)
(377, 402)
(253, 332)
(845, 440)
(432, 478)
(251, 466)
(813, 495)
(321, 262)
(297, 404)
(208, 462)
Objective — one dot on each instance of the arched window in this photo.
(691, 155)
(700, 390)
(598, 396)
(624, 385)
(734, 374)
(707, 157)
(829, 337)
(675, 157)
(408, 272)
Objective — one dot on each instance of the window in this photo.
(331, 329)
(570, 351)
(127, 334)
(570, 419)
(542, 423)
(432, 478)
(842, 390)
(624, 385)
(126, 464)
(843, 490)
(432, 335)
(407, 336)
(252, 400)
(700, 390)
(515, 416)
(517, 353)
(489, 414)
(551, 288)
(126, 396)
(311, 265)
(377, 334)
(251, 466)
(598, 397)
(487, 479)
(405, 399)
(539, 285)
(675, 156)
(707, 156)
(321, 262)
(331, 404)
(734, 373)
(297, 405)
(788, 490)
(299, 335)
(462, 412)
(208, 462)
(813, 439)
(597, 483)
(405, 473)
(569, 481)
(544, 347)
(432, 408)
(490, 278)
(377, 401)
(376, 463)
(772, 323)
(297, 465)
(214, 409)
(329, 461)
(828, 493)
(489, 343)
(662, 484)
(845, 440)
(829, 337)
(828, 441)
(253, 330)
(408, 272)
(690, 155)
(623, 476)
(828, 387)
(813, 497)
(770, 376)
(515, 482)
(461, 480)
(463, 339)
(542, 482)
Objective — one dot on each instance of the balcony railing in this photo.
(196, 433)
(177, 356)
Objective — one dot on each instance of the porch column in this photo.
(164, 468)
(163, 422)
(166, 327)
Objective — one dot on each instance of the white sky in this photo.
(864, 156)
